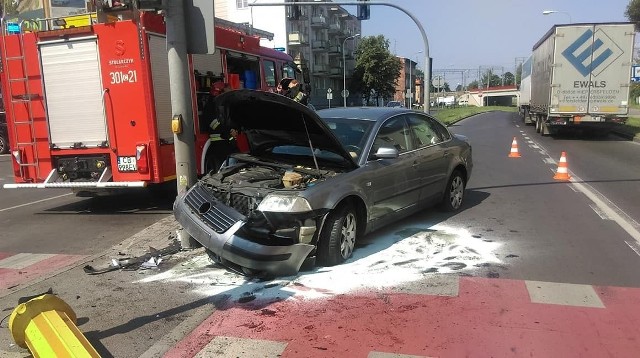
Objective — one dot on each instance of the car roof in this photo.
(376, 114)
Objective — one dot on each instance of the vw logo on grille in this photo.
(204, 208)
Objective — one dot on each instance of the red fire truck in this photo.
(88, 107)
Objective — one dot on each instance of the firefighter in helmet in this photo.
(290, 87)
(219, 134)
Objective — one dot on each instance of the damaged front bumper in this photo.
(216, 226)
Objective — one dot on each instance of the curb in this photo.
(158, 234)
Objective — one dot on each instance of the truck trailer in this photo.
(580, 78)
(524, 99)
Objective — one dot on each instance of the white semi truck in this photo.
(524, 99)
(580, 78)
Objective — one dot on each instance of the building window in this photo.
(241, 4)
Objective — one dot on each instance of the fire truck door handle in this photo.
(104, 114)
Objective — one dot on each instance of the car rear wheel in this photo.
(454, 192)
(338, 238)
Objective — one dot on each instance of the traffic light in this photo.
(294, 11)
(363, 11)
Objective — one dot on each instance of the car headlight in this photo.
(284, 204)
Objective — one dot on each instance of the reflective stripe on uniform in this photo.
(214, 124)
(215, 137)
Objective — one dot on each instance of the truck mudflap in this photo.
(53, 181)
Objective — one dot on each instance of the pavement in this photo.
(437, 315)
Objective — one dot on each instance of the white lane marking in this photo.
(35, 202)
(634, 246)
(566, 294)
(610, 209)
(549, 160)
(599, 212)
(22, 260)
(606, 206)
(375, 354)
(241, 347)
(517, 125)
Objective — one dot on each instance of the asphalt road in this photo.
(57, 222)
(517, 223)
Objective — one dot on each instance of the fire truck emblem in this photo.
(120, 49)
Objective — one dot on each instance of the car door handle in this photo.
(415, 164)
(445, 153)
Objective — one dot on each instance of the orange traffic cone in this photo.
(514, 149)
(563, 170)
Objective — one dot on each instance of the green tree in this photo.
(472, 85)
(509, 78)
(491, 79)
(8, 7)
(377, 70)
(633, 12)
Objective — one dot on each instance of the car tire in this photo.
(453, 193)
(338, 238)
(4, 145)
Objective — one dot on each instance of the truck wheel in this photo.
(338, 238)
(544, 129)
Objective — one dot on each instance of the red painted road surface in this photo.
(488, 318)
(19, 269)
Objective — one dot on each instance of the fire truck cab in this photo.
(88, 105)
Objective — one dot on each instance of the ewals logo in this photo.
(595, 56)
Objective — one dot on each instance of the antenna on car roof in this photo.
(313, 153)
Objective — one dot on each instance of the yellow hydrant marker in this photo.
(46, 325)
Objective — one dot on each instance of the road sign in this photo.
(438, 81)
(329, 95)
(345, 93)
(329, 90)
(635, 73)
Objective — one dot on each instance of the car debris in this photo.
(149, 260)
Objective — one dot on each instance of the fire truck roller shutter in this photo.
(71, 75)
(161, 89)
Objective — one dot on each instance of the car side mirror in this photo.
(386, 153)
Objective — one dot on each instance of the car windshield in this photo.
(352, 133)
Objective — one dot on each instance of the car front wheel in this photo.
(338, 238)
(454, 192)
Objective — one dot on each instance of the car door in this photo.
(389, 177)
(432, 155)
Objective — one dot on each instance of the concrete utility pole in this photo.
(184, 141)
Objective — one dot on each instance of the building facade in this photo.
(319, 38)
(408, 82)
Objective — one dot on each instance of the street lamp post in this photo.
(549, 12)
(411, 83)
(344, 70)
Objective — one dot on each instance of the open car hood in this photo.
(270, 120)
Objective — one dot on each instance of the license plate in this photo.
(127, 164)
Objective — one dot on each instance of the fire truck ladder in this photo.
(18, 99)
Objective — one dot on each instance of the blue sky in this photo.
(468, 34)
